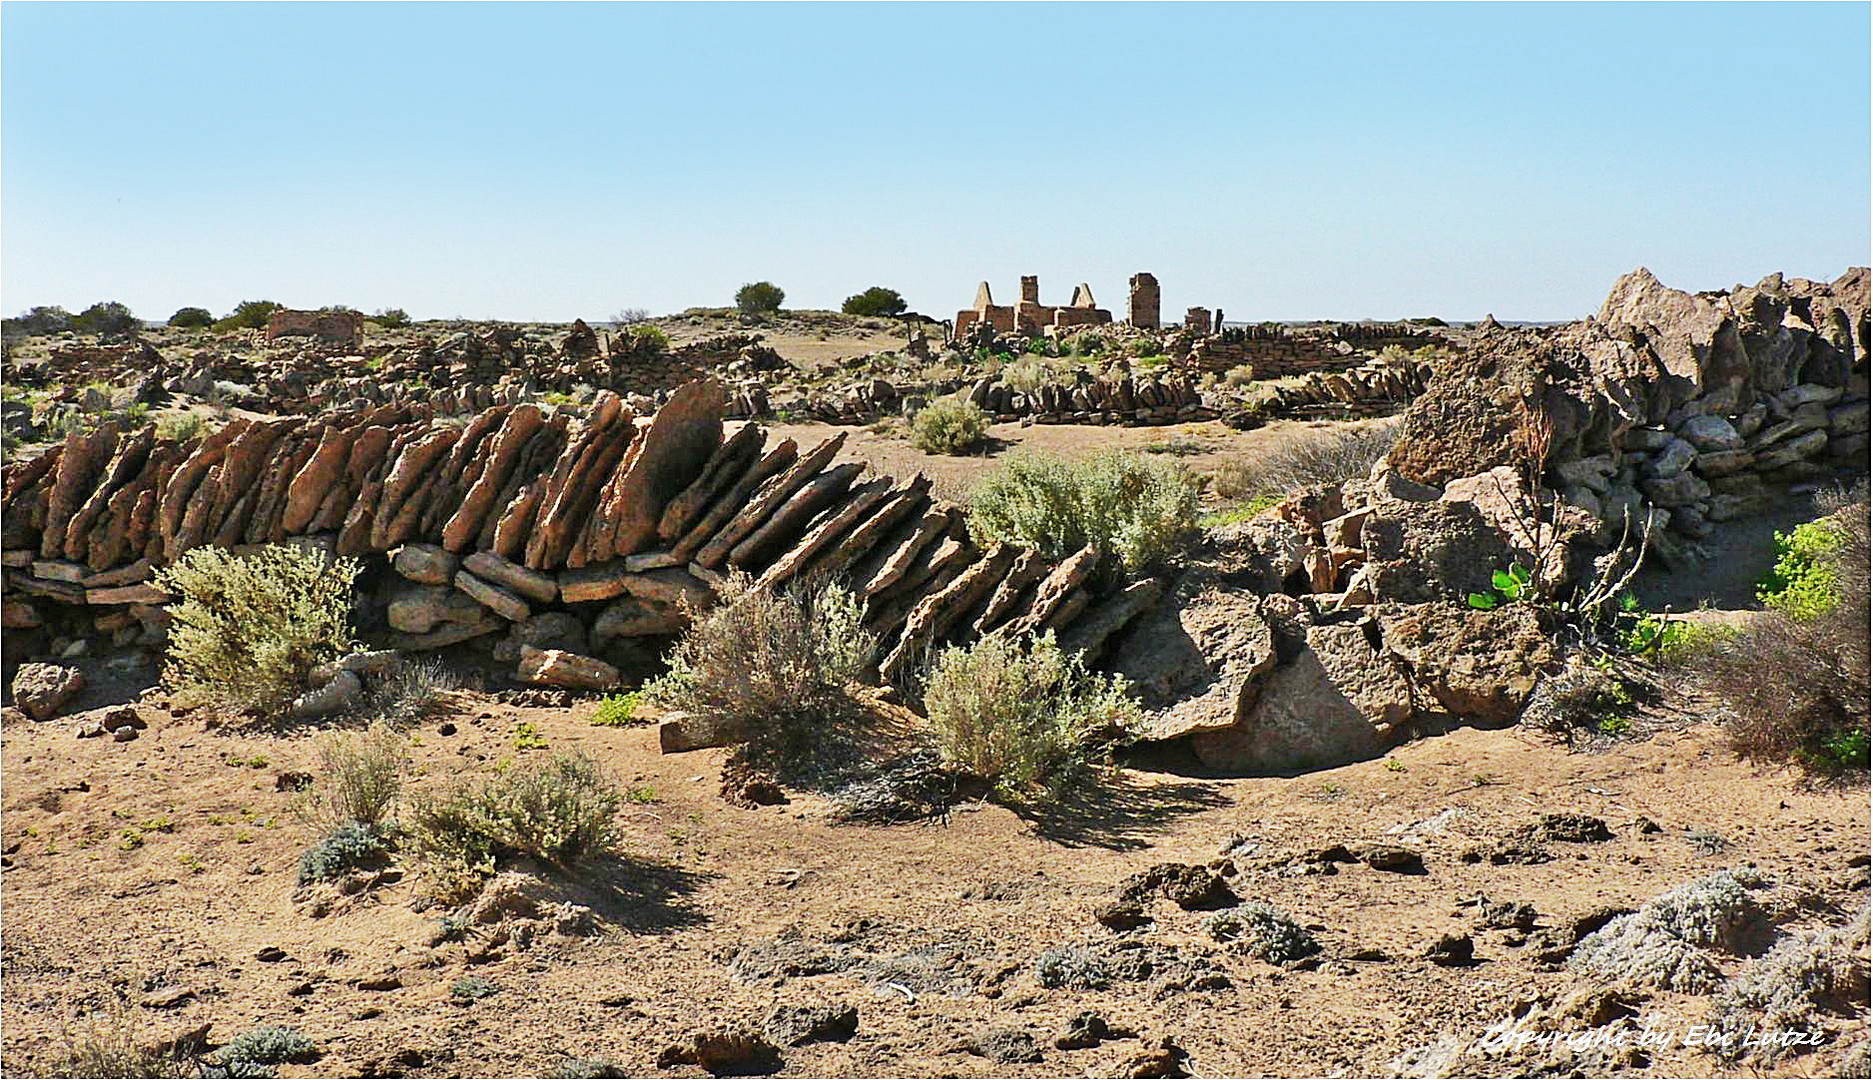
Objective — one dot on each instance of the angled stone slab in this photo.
(535, 586)
(493, 597)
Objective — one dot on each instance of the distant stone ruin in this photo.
(1143, 302)
(328, 326)
(1029, 317)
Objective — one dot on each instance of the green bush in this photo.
(107, 318)
(351, 846)
(649, 337)
(191, 318)
(360, 777)
(1020, 713)
(562, 810)
(250, 628)
(249, 315)
(759, 298)
(1139, 507)
(1028, 374)
(265, 1047)
(949, 425)
(1802, 584)
(876, 300)
(40, 320)
(391, 318)
(772, 666)
(618, 710)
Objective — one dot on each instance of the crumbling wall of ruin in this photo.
(1275, 352)
(337, 327)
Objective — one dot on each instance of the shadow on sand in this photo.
(1120, 811)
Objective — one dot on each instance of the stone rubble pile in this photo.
(562, 535)
(1379, 387)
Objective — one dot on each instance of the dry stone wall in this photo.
(1274, 352)
(526, 523)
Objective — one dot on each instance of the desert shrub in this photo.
(773, 665)
(1665, 943)
(107, 318)
(1580, 699)
(759, 298)
(1264, 932)
(351, 846)
(472, 988)
(249, 315)
(1137, 507)
(1792, 682)
(562, 810)
(181, 426)
(576, 1068)
(1028, 374)
(411, 690)
(624, 317)
(191, 318)
(360, 777)
(114, 1048)
(1071, 967)
(876, 300)
(255, 1052)
(618, 710)
(1304, 458)
(1804, 978)
(392, 318)
(1148, 348)
(249, 628)
(948, 425)
(1021, 713)
(1239, 376)
(648, 337)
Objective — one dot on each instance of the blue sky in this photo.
(1281, 161)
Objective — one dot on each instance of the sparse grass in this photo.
(410, 691)
(619, 710)
(1182, 446)
(113, 1048)
(642, 795)
(1140, 508)
(1022, 714)
(1305, 457)
(472, 988)
(1234, 514)
(360, 777)
(249, 628)
(948, 425)
(181, 426)
(1029, 374)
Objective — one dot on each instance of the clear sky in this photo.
(1282, 161)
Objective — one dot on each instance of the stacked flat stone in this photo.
(518, 517)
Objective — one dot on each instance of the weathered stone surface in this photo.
(556, 667)
(1711, 433)
(509, 444)
(875, 530)
(42, 690)
(17, 614)
(663, 462)
(671, 586)
(1006, 601)
(726, 506)
(766, 501)
(1302, 719)
(1056, 590)
(342, 692)
(1724, 462)
(725, 467)
(632, 617)
(932, 617)
(547, 630)
(1424, 551)
(492, 596)
(419, 609)
(427, 564)
(1480, 666)
(1199, 663)
(1799, 448)
(1671, 461)
(446, 634)
(793, 515)
(532, 584)
(897, 559)
(140, 593)
(680, 733)
(1089, 634)
(828, 527)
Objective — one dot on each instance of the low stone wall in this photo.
(622, 523)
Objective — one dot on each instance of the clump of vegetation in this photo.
(1071, 967)
(181, 426)
(249, 315)
(41, 320)
(774, 666)
(1239, 376)
(618, 710)
(527, 736)
(876, 300)
(949, 425)
(115, 1049)
(472, 988)
(1665, 942)
(1304, 458)
(108, 318)
(562, 810)
(191, 318)
(360, 778)
(648, 336)
(255, 1053)
(1585, 698)
(250, 628)
(576, 1068)
(1028, 374)
(1140, 508)
(1264, 932)
(393, 318)
(759, 298)
(1022, 714)
(351, 846)
(411, 690)
(1793, 680)
(1803, 979)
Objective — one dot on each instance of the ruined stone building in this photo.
(333, 327)
(1029, 316)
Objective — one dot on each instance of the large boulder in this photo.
(1417, 552)
(1479, 667)
(43, 690)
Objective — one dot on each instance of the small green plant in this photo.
(351, 846)
(618, 710)
(181, 426)
(759, 298)
(130, 839)
(527, 737)
(1843, 751)
(1481, 779)
(250, 628)
(641, 794)
(1509, 585)
(258, 761)
(1802, 585)
(265, 1046)
(1614, 726)
(577, 1068)
(472, 988)
(949, 425)
(1394, 765)
(1138, 507)
(1022, 714)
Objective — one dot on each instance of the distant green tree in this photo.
(876, 300)
(190, 318)
(41, 320)
(249, 315)
(105, 317)
(391, 318)
(759, 298)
